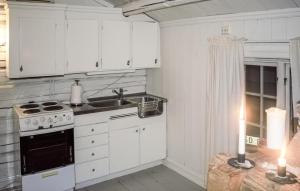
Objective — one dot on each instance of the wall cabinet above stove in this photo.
(50, 39)
(36, 41)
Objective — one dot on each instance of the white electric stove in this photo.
(46, 146)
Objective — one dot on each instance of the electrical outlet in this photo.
(225, 30)
(252, 140)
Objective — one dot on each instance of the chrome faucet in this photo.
(120, 93)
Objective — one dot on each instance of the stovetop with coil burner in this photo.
(34, 116)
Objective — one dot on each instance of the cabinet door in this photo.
(115, 45)
(124, 149)
(153, 142)
(82, 45)
(37, 42)
(145, 45)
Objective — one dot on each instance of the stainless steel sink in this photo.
(110, 103)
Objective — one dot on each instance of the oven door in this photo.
(46, 151)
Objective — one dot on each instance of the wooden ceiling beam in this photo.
(142, 6)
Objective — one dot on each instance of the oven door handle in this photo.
(24, 163)
(44, 131)
(71, 153)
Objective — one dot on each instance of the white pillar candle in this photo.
(242, 132)
(281, 168)
(275, 127)
(281, 162)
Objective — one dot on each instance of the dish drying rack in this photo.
(147, 108)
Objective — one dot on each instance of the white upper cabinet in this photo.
(36, 42)
(116, 45)
(145, 45)
(82, 43)
(54, 39)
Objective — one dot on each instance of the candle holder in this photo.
(281, 177)
(241, 162)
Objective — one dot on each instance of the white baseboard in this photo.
(187, 173)
(118, 174)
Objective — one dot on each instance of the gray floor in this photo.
(159, 178)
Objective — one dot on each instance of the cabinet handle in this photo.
(92, 130)
(137, 131)
(93, 154)
(144, 129)
(155, 61)
(97, 64)
(92, 141)
(21, 69)
(128, 62)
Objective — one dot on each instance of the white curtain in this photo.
(295, 68)
(225, 94)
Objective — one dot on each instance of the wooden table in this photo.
(222, 177)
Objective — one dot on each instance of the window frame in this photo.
(283, 89)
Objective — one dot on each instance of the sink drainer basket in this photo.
(150, 105)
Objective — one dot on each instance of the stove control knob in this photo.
(60, 118)
(35, 122)
(68, 117)
(28, 121)
(42, 119)
(50, 120)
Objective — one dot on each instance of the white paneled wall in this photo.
(184, 52)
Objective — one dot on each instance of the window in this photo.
(2, 38)
(266, 86)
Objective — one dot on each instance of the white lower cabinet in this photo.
(91, 170)
(143, 143)
(124, 149)
(152, 142)
(91, 147)
(123, 141)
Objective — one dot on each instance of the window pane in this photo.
(265, 133)
(270, 81)
(267, 104)
(253, 79)
(252, 109)
(252, 131)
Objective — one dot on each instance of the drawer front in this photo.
(94, 129)
(124, 122)
(91, 118)
(90, 170)
(90, 154)
(91, 141)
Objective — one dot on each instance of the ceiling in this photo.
(214, 7)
